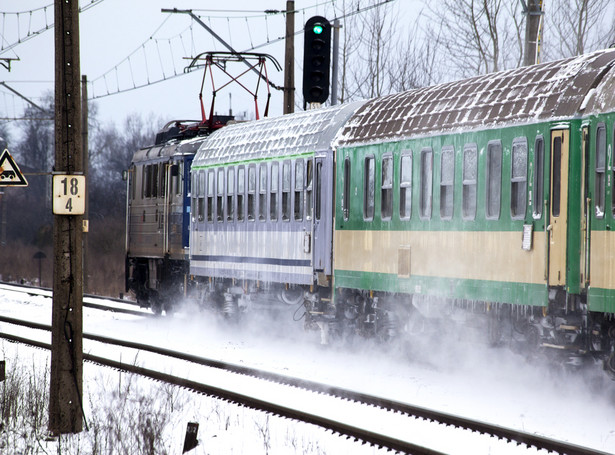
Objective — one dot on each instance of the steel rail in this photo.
(511, 435)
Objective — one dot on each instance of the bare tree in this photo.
(574, 27)
(479, 36)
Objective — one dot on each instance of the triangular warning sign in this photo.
(10, 175)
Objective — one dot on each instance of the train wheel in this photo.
(609, 365)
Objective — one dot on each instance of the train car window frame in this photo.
(154, 181)
(369, 187)
(286, 185)
(405, 185)
(447, 183)
(274, 182)
(210, 195)
(518, 178)
(146, 182)
(299, 178)
(318, 191)
(195, 196)
(426, 184)
(556, 181)
(538, 182)
(309, 188)
(386, 186)
(241, 191)
(600, 171)
(469, 182)
(493, 180)
(230, 194)
(252, 192)
(346, 189)
(220, 180)
(200, 192)
(162, 173)
(262, 192)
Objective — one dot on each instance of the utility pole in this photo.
(335, 61)
(65, 398)
(533, 25)
(86, 170)
(289, 59)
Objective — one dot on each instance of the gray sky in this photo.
(128, 43)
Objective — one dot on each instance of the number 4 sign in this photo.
(68, 194)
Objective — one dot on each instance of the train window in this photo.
(318, 191)
(147, 181)
(299, 185)
(154, 181)
(447, 179)
(200, 192)
(230, 193)
(220, 199)
(210, 196)
(286, 191)
(262, 192)
(426, 188)
(369, 188)
(251, 193)
(194, 214)
(405, 185)
(469, 176)
(273, 191)
(518, 179)
(177, 179)
(494, 180)
(346, 189)
(556, 181)
(241, 190)
(386, 190)
(539, 172)
(162, 176)
(308, 189)
(600, 168)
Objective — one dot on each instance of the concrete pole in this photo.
(533, 13)
(66, 384)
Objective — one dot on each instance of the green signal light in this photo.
(317, 29)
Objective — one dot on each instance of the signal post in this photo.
(65, 398)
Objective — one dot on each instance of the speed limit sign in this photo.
(68, 194)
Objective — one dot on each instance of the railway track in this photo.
(335, 396)
(89, 300)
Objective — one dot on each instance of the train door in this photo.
(558, 207)
(323, 213)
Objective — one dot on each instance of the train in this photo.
(491, 197)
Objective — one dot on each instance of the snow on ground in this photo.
(454, 375)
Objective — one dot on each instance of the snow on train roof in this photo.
(172, 148)
(539, 92)
(303, 132)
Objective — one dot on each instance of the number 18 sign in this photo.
(68, 194)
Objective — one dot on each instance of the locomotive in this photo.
(491, 196)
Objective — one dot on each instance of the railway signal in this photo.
(316, 59)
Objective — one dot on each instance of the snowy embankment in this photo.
(131, 415)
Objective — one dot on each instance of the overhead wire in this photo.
(269, 41)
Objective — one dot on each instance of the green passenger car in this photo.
(493, 192)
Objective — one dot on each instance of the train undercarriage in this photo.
(157, 283)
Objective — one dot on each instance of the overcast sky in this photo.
(132, 43)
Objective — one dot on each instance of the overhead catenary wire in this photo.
(269, 41)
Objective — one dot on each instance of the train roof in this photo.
(555, 90)
(303, 132)
(172, 148)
